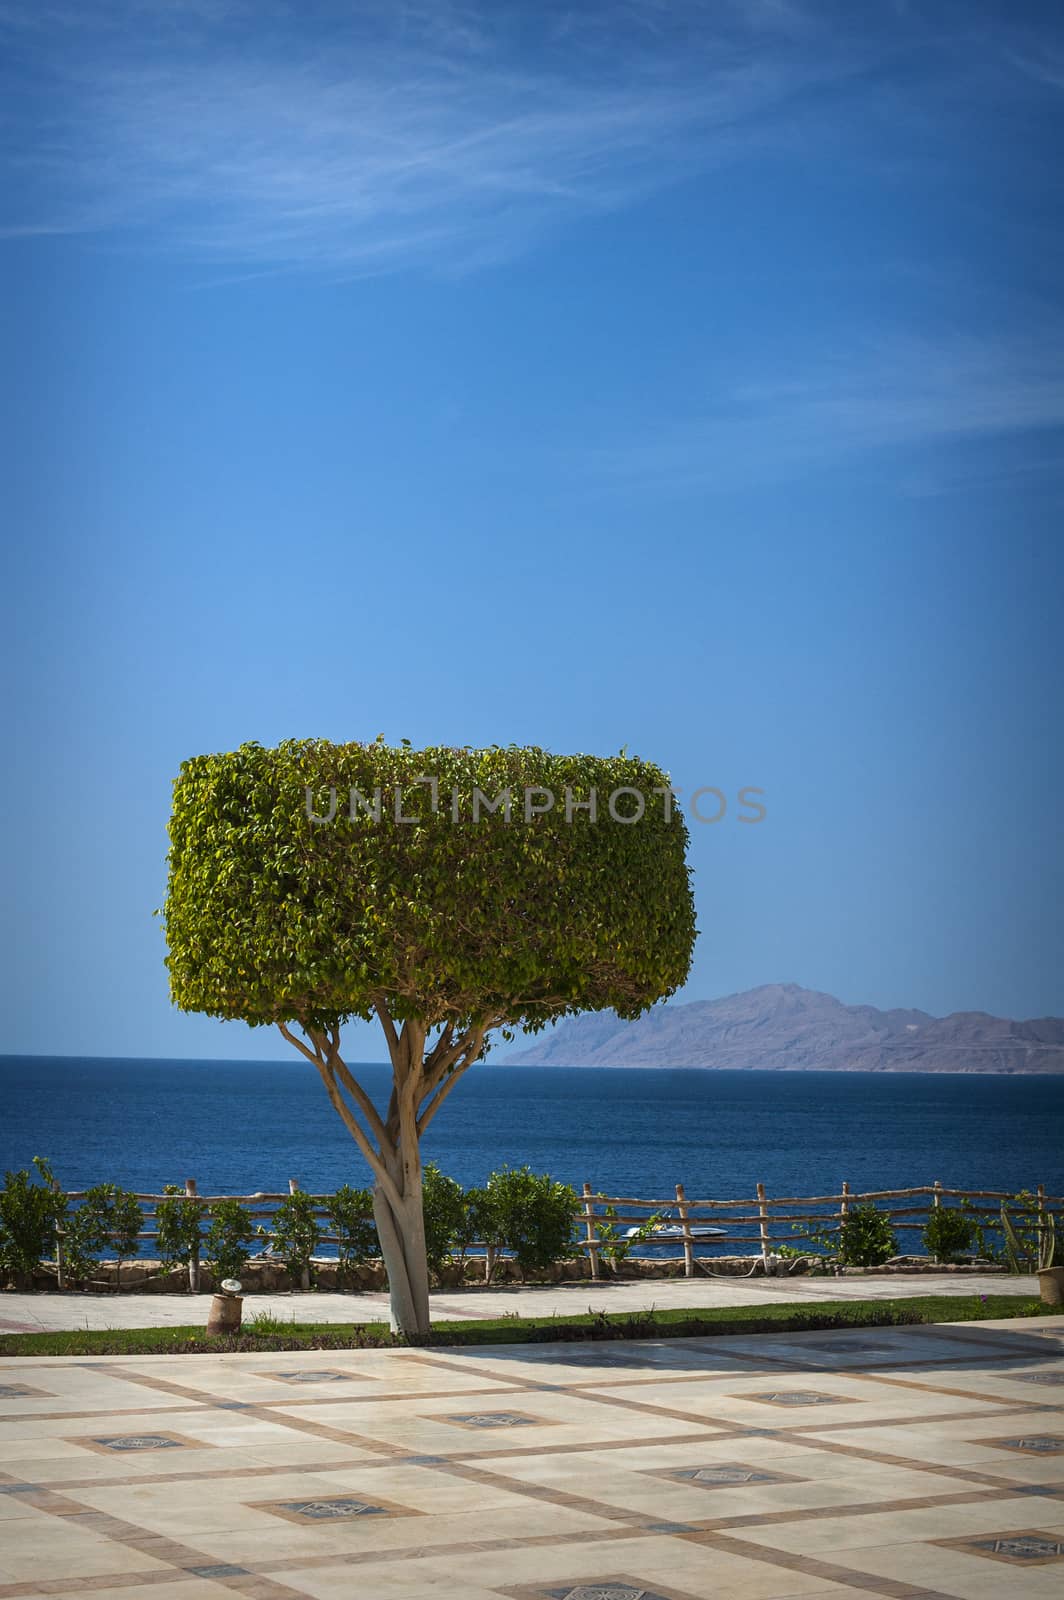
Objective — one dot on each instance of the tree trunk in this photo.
(401, 1231)
(391, 1144)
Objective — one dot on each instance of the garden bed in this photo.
(270, 1277)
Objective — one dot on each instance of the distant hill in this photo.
(786, 1027)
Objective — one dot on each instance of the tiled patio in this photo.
(902, 1462)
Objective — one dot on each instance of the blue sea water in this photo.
(238, 1127)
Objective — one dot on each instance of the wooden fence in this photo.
(757, 1224)
(808, 1217)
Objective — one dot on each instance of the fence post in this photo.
(304, 1276)
(60, 1250)
(589, 1230)
(936, 1200)
(844, 1211)
(194, 1258)
(762, 1210)
(688, 1237)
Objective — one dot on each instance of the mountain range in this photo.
(788, 1028)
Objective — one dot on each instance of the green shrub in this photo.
(948, 1233)
(615, 1246)
(866, 1238)
(177, 1224)
(1029, 1236)
(447, 1216)
(228, 1239)
(29, 1213)
(296, 1233)
(108, 1218)
(529, 1214)
(350, 1213)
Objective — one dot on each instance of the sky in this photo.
(685, 377)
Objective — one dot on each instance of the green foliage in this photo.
(1029, 1235)
(228, 1238)
(447, 1216)
(866, 1238)
(529, 1214)
(29, 1212)
(350, 1213)
(108, 1218)
(178, 1227)
(615, 1246)
(295, 1233)
(948, 1233)
(270, 915)
(982, 1245)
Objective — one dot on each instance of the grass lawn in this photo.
(275, 1334)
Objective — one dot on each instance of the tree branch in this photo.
(314, 1059)
(473, 1044)
(359, 1096)
(385, 1018)
(357, 1132)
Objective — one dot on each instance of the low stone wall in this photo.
(269, 1277)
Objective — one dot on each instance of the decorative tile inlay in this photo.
(310, 1375)
(791, 1397)
(1048, 1378)
(1024, 1547)
(220, 1569)
(623, 1586)
(107, 1443)
(23, 1391)
(1041, 1444)
(602, 1591)
(332, 1508)
(723, 1474)
(491, 1419)
(140, 1441)
(316, 1510)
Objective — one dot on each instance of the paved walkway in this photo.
(29, 1313)
(921, 1462)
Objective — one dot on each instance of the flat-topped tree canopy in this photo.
(301, 891)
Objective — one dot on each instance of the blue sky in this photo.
(685, 377)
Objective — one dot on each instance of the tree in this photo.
(448, 892)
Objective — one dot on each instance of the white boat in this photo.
(676, 1230)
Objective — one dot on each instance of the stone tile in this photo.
(947, 1570)
(1023, 1548)
(169, 1587)
(790, 1397)
(1042, 1444)
(309, 1375)
(315, 1510)
(128, 1443)
(724, 1474)
(493, 1419)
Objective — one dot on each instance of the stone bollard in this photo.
(227, 1310)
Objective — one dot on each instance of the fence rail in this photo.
(600, 1215)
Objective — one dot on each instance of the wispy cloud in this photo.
(867, 398)
(361, 138)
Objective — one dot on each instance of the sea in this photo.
(240, 1127)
